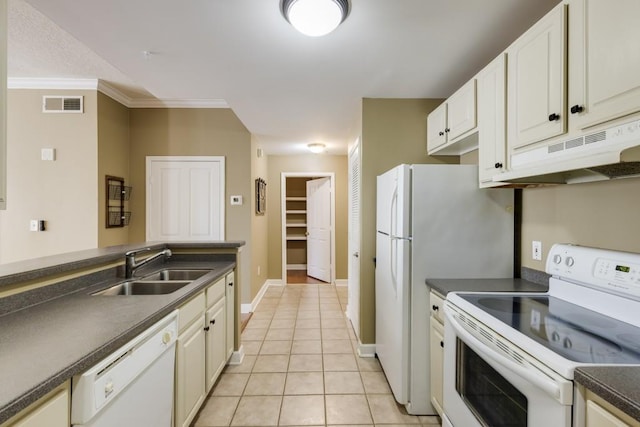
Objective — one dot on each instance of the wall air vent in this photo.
(62, 104)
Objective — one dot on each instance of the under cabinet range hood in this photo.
(607, 154)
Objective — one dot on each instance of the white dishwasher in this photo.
(133, 387)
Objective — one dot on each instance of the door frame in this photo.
(283, 217)
(223, 207)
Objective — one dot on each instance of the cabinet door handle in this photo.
(577, 109)
(498, 165)
(447, 130)
(206, 329)
(212, 321)
(554, 117)
(435, 307)
(230, 283)
(442, 344)
(440, 133)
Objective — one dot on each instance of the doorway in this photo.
(308, 231)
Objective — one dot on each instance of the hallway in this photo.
(300, 369)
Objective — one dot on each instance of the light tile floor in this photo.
(301, 369)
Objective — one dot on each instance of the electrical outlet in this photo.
(536, 250)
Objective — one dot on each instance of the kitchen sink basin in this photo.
(175, 274)
(144, 287)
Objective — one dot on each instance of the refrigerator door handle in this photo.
(392, 241)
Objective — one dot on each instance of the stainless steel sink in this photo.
(144, 287)
(175, 274)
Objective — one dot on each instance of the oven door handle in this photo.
(540, 380)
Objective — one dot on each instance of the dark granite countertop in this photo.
(45, 344)
(444, 286)
(618, 385)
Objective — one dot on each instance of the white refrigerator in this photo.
(432, 222)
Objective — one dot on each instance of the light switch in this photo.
(236, 200)
(48, 154)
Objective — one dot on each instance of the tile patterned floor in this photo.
(300, 369)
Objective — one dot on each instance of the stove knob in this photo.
(557, 259)
(567, 343)
(570, 261)
(555, 337)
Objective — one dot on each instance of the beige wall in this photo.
(394, 131)
(306, 163)
(603, 214)
(259, 242)
(113, 159)
(62, 192)
(195, 132)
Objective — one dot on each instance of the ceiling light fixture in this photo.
(315, 18)
(316, 147)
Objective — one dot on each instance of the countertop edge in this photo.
(40, 268)
(608, 390)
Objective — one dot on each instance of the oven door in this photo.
(489, 382)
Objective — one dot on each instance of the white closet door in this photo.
(353, 306)
(185, 198)
(319, 229)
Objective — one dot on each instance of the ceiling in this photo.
(288, 89)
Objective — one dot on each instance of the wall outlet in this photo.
(33, 225)
(536, 250)
(236, 200)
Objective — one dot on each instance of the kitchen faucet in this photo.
(130, 265)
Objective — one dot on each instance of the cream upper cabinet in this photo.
(492, 128)
(536, 81)
(436, 127)
(449, 125)
(604, 61)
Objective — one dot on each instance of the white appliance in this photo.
(432, 222)
(133, 386)
(510, 358)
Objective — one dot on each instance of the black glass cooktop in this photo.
(572, 331)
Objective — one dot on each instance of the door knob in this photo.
(554, 117)
(577, 109)
(356, 254)
(498, 165)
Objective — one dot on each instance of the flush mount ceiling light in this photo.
(315, 17)
(316, 147)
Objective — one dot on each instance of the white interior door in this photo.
(185, 198)
(319, 229)
(353, 305)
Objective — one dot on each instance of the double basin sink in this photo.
(159, 283)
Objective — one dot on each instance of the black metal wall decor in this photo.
(261, 196)
(117, 192)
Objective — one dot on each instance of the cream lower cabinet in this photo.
(215, 331)
(436, 345)
(600, 413)
(492, 116)
(190, 385)
(51, 410)
(230, 314)
(536, 81)
(604, 61)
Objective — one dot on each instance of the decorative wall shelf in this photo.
(117, 194)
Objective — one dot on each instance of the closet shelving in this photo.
(296, 218)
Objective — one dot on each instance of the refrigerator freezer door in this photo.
(393, 207)
(392, 306)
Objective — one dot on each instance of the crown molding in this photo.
(178, 103)
(112, 92)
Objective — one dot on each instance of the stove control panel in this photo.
(612, 271)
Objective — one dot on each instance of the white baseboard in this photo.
(342, 282)
(366, 350)
(248, 308)
(296, 266)
(237, 357)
